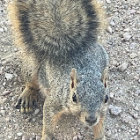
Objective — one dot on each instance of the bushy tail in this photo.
(56, 29)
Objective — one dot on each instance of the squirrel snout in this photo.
(91, 120)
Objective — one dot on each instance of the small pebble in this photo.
(8, 76)
(133, 45)
(137, 108)
(133, 55)
(25, 138)
(111, 95)
(137, 93)
(7, 119)
(34, 119)
(127, 30)
(108, 1)
(123, 67)
(15, 49)
(109, 29)
(75, 138)
(6, 93)
(132, 11)
(112, 23)
(3, 100)
(9, 137)
(19, 134)
(114, 110)
(126, 36)
(38, 137)
(2, 112)
(1, 30)
(36, 111)
(114, 63)
(128, 119)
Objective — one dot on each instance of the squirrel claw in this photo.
(27, 101)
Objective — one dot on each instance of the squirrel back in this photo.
(56, 29)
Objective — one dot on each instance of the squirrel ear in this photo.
(105, 77)
(73, 76)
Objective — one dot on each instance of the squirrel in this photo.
(59, 40)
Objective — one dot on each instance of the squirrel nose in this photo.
(91, 120)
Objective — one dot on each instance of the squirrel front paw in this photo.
(27, 100)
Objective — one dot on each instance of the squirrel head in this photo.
(88, 97)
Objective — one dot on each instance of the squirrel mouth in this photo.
(93, 123)
(89, 121)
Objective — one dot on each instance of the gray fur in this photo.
(90, 90)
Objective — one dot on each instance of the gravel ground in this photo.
(122, 42)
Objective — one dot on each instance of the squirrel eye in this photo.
(106, 99)
(74, 98)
